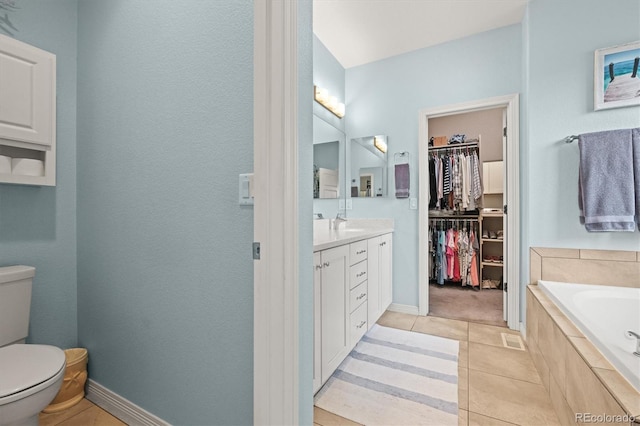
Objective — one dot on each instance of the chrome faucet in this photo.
(632, 334)
(318, 216)
(335, 223)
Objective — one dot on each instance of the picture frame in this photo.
(623, 62)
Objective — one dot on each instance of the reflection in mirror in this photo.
(328, 162)
(369, 167)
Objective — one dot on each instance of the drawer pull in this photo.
(361, 274)
(361, 296)
(383, 243)
(361, 324)
(318, 267)
(361, 252)
(326, 264)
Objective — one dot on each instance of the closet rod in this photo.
(452, 218)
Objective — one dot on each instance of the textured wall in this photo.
(560, 103)
(165, 275)
(384, 97)
(38, 224)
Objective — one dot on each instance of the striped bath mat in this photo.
(396, 377)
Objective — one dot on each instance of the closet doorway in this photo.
(477, 223)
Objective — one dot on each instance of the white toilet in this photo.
(30, 375)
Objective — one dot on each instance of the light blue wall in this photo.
(165, 275)
(38, 224)
(562, 39)
(384, 97)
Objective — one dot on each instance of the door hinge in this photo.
(504, 209)
(256, 251)
(504, 132)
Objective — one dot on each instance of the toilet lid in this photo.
(25, 366)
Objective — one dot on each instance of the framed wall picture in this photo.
(617, 76)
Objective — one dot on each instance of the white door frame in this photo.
(276, 278)
(512, 104)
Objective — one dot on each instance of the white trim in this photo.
(523, 332)
(512, 104)
(120, 407)
(403, 309)
(276, 340)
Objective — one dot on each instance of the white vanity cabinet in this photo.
(334, 300)
(27, 112)
(380, 276)
(352, 288)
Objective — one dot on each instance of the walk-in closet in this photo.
(466, 233)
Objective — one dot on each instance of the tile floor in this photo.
(496, 385)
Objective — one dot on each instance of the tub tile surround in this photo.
(576, 375)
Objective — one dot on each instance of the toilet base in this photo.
(30, 421)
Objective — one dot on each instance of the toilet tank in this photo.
(15, 302)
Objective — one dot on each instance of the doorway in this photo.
(496, 232)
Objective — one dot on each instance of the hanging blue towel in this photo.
(606, 181)
(402, 180)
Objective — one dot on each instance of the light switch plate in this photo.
(413, 203)
(349, 204)
(341, 204)
(245, 191)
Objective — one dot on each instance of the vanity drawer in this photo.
(357, 252)
(357, 274)
(358, 324)
(357, 296)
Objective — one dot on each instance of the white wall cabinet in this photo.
(27, 110)
(352, 289)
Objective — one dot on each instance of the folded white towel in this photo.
(606, 181)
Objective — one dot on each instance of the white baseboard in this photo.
(523, 331)
(403, 309)
(120, 407)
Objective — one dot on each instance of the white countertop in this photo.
(348, 232)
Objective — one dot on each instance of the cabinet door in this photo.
(385, 271)
(27, 94)
(334, 308)
(373, 282)
(317, 326)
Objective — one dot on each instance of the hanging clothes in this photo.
(454, 180)
(454, 252)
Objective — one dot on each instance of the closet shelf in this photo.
(452, 146)
(492, 264)
(490, 240)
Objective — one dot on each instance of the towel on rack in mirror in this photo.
(402, 180)
(606, 193)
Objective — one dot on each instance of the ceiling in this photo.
(357, 32)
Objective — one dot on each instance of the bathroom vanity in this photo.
(352, 287)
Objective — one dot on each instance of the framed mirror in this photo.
(368, 167)
(328, 160)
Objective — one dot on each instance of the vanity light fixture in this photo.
(380, 144)
(329, 102)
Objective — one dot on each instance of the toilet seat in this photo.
(26, 369)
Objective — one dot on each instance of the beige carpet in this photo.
(462, 303)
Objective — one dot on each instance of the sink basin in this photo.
(350, 230)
